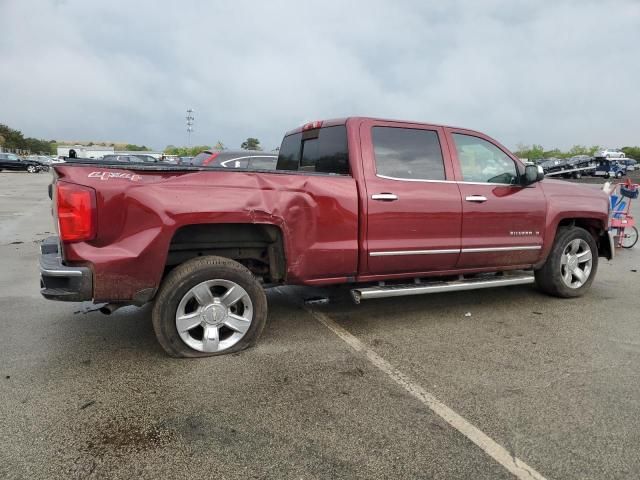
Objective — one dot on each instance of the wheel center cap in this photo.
(573, 262)
(214, 314)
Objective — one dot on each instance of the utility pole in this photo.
(190, 120)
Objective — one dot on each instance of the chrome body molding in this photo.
(501, 249)
(414, 252)
(454, 250)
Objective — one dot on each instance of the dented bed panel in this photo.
(139, 212)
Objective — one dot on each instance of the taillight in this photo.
(76, 209)
(210, 159)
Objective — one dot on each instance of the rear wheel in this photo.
(571, 264)
(209, 306)
(32, 169)
(618, 174)
(629, 237)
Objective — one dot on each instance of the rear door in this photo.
(12, 162)
(413, 205)
(502, 221)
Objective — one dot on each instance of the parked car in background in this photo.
(185, 160)
(551, 164)
(610, 153)
(630, 163)
(578, 161)
(239, 159)
(11, 161)
(610, 168)
(43, 159)
(129, 158)
(584, 162)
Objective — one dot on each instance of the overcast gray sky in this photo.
(552, 72)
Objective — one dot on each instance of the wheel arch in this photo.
(595, 226)
(259, 247)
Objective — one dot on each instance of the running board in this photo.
(365, 293)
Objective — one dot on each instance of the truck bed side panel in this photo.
(138, 216)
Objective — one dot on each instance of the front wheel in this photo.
(32, 169)
(619, 175)
(629, 237)
(209, 306)
(571, 264)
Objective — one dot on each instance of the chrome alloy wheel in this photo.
(214, 315)
(576, 263)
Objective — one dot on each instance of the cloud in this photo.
(556, 73)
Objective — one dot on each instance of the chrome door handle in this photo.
(384, 197)
(476, 198)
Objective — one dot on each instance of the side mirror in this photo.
(533, 174)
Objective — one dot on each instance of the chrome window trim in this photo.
(454, 250)
(414, 179)
(447, 181)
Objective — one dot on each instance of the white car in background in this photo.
(610, 153)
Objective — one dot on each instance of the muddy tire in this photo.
(209, 306)
(571, 265)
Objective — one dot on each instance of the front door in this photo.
(502, 221)
(413, 205)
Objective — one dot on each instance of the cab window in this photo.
(407, 153)
(322, 150)
(483, 162)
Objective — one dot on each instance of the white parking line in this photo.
(496, 451)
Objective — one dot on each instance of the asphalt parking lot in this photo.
(555, 382)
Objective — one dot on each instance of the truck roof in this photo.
(332, 122)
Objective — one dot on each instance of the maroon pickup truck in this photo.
(389, 207)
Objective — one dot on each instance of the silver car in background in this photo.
(610, 153)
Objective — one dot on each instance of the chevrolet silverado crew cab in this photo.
(388, 208)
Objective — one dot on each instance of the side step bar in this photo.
(516, 278)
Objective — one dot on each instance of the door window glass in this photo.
(408, 153)
(482, 161)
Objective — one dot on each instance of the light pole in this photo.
(190, 120)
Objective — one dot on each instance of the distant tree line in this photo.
(536, 152)
(11, 139)
(249, 144)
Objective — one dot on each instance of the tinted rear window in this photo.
(322, 150)
(408, 153)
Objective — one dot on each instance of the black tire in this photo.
(186, 276)
(577, 175)
(619, 174)
(32, 169)
(549, 277)
(633, 238)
